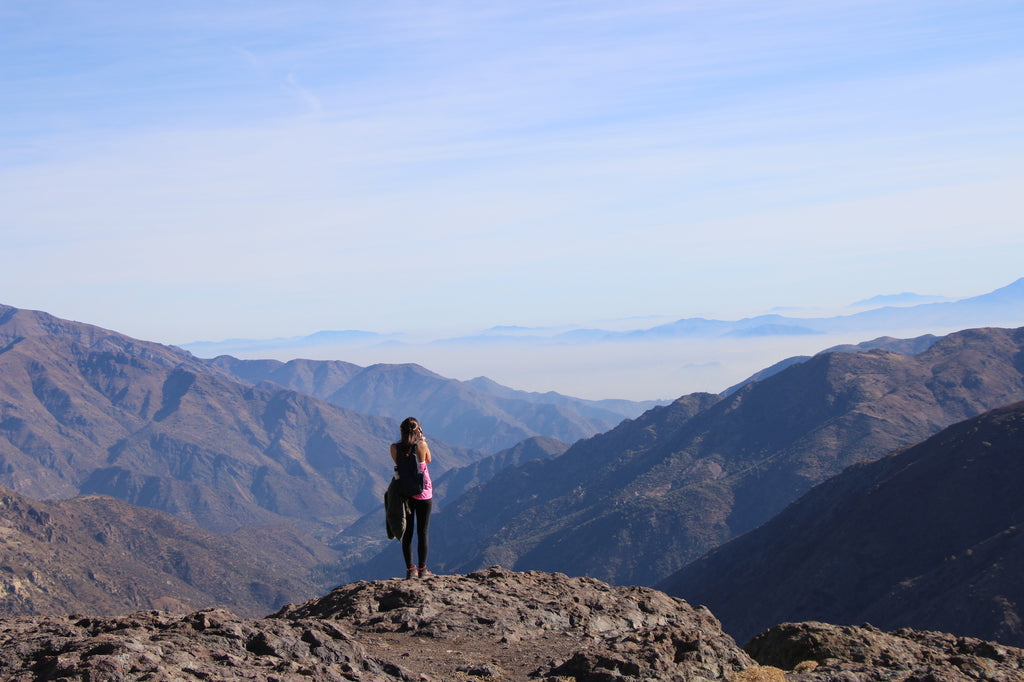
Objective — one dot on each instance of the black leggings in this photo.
(420, 511)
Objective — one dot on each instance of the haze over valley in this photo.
(640, 359)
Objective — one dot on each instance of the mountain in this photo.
(637, 503)
(97, 555)
(320, 379)
(1004, 306)
(321, 338)
(612, 410)
(905, 298)
(86, 410)
(912, 346)
(930, 537)
(455, 482)
(478, 414)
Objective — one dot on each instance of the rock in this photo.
(576, 628)
(488, 626)
(212, 645)
(822, 652)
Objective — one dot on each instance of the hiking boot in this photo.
(425, 572)
(410, 572)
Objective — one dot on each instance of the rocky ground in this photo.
(488, 625)
(819, 652)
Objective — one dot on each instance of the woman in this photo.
(413, 444)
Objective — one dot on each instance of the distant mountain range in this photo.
(928, 537)
(1004, 306)
(321, 338)
(892, 313)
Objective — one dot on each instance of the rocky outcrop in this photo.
(212, 644)
(488, 625)
(819, 652)
(512, 625)
(492, 624)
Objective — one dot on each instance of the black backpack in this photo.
(410, 479)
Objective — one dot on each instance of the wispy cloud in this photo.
(313, 102)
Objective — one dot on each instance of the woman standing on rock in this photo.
(414, 445)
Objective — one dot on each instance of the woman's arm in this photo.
(423, 450)
(394, 454)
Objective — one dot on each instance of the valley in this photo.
(246, 485)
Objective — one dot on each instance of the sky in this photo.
(193, 171)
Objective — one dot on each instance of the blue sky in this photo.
(191, 171)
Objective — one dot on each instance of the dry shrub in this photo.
(765, 673)
(805, 666)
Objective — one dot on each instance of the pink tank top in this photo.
(428, 487)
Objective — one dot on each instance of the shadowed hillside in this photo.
(101, 556)
(930, 538)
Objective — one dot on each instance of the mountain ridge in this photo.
(478, 414)
(1001, 307)
(1006, 303)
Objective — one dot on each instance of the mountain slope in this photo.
(455, 482)
(929, 537)
(609, 409)
(86, 410)
(478, 414)
(319, 378)
(637, 503)
(102, 556)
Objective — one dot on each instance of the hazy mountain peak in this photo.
(906, 298)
